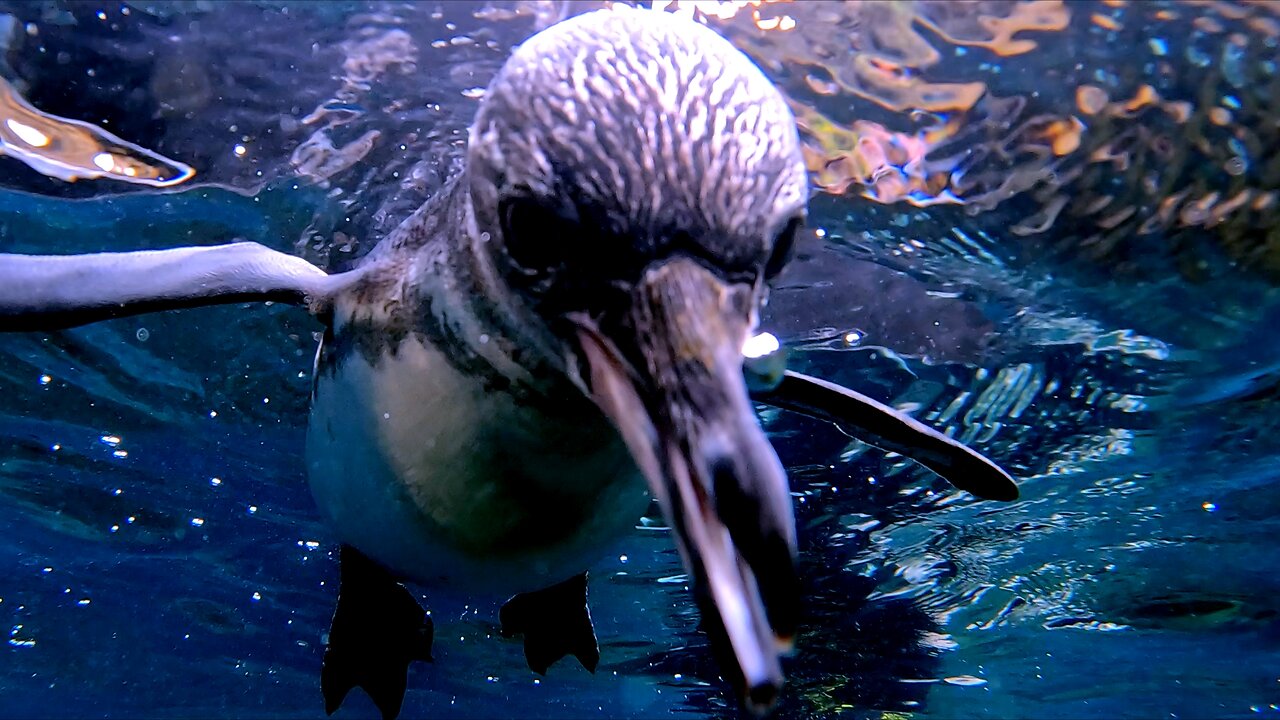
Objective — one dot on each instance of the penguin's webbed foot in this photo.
(377, 630)
(555, 622)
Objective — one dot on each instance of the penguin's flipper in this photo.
(888, 429)
(555, 622)
(49, 292)
(377, 630)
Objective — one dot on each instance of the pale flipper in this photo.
(888, 429)
(47, 292)
(555, 622)
(377, 630)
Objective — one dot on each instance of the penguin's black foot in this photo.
(555, 622)
(377, 630)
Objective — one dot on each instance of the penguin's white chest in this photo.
(420, 468)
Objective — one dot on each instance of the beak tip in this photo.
(762, 697)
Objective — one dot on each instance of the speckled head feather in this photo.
(648, 134)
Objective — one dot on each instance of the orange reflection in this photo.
(71, 150)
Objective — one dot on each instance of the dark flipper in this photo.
(555, 622)
(880, 425)
(48, 292)
(378, 629)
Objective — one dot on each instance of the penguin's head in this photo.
(635, 182)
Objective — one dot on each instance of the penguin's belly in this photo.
(422, 469)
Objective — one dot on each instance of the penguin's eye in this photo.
(783, 247)
(536, 236)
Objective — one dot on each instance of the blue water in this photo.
(160, 555)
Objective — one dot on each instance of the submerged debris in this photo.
(374, 52)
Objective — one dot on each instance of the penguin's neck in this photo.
(435, 277)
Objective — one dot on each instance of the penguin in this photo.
(565, 332)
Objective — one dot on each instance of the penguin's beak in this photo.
(670, 378)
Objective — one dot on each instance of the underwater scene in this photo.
(1048, 230)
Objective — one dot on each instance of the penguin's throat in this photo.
(491, 317)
